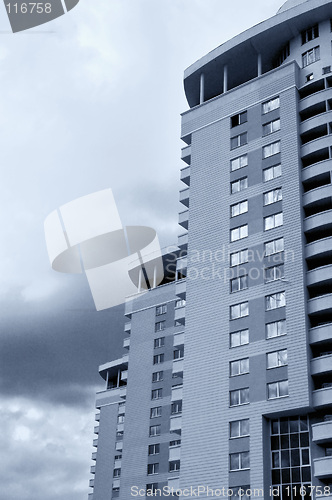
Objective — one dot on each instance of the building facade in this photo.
(227, 383)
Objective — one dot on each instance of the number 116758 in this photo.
(29, 8)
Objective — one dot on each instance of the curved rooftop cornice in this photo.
(240, 53)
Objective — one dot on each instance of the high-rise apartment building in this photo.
(227, 381)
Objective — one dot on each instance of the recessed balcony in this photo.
(314, 122)
(183, 240)
(91, 483)
(323, 467)
(96, 429)
(319, 248)
(124, 375)
(186, 154)
(127, 327)
(322, 432)
(185, 175)
(126, 343)
(322, 398)
(184, 197)
(93, 469)
(317, 197)
(184, 219)
(321, 334)
(320, 275)
(322, 364)
(97, 416)
(316, 171)
(180, 314)
(177, 366)
(90, 496)
(322, 304)
(318, 222)
(95, 443)
(314, 99)
(315, 145)
(180, 289)
(94, 456)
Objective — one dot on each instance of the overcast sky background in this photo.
(89, 101)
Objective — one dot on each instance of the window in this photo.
(174, 465)
(271, 105)
(160, 325)
(117, 473)
(158, 358)
(117, 457)
(273, 273)
(239, 397)
(239, 367)
(275, 301)
(239, 140)
(121, 419)
(239, 310)
(271, 173)
(155, 430)
(239, 185)
(153, 469)
(156, 393)
(239, 233)
(157, 376)
(270, 127)
(276, 358)
(271, 149)
(310, 56)
(272, 196)
(326, 69)
(161, 309)
(152, 489)
(284, 53)
(310, 34)
(274, 246)
(178, 353)
(276, 329)
(240, 257)
(239, 208)
(309, 77)
(273, 221)
(180, 303)
(239, 162)
(239, 428)
(277, 389)
(176, 442)
(239, 461)
(239, 119)
(159, 342)
(241, 493)
(176, 407)
(154, 449)
(155, 412)
(240, 283)
(238, 338)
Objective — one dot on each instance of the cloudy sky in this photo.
(89, 101)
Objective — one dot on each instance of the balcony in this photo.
(315, 145)
(186, 154)
(319, 276)
(313, 123)
(184, 219)
(317, 171)
(116, 483)
(315, 197)
(321, 365)
(320, 248)
(321, 334)
(126, 343)
(90, 496)
(321, 304)
(183, 240)
(94, 456)
(322, 398)
(93, 469)
(322, 432)
(315, 99)
(127, 327)
(175, 424)
(95, 442)
(177, 366)
(320, 222)
(323, 467)
(96, 429)
(180, 289)
(91, 483)
(124, 375)
(185, 175)
(178, 339)
(180, 314)
(97, 416)
(184, 197)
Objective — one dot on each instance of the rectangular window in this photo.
(153, 469)
(239, 119)
(240, 257)
(272, 196)
(176, 442)
(160, 325)
(174, 465)
(158, 358)
(239, 233)
(274, 246)
(310, 56)
(155, 412)
(178, 353)
(179, 303)
(273, 273)
(272, 221)
(161, 309)
(176, 407)
(156, 393)
(239, 208)
(152, 489)
(271, 173)
(276, 329)
(239, 162)
(239, 367)
(239, 185)
(239, 310)
(157, 376)
(154, 449)
(239, 397)
(271, 149)
(270, 127)
(159, 342)
(239, 428)
(240, 283)
(239, 461)
(275, 301)
(239, 140)
(276, 359)
(241, 337)
(155, 430)
(310, 34)
(117, 473)
(271, 105)
(277, 389)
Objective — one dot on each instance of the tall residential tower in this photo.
(227, 381)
